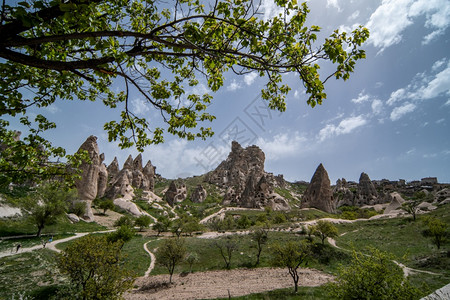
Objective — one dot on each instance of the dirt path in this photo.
(223, 210)
(217, 284)
(152, 258)
(50, 245)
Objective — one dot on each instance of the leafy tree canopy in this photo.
(93, 266)
(52, 50)
(373, 276)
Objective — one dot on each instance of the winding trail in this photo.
(152, 258)
(50, 245)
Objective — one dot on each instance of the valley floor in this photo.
(222, 284)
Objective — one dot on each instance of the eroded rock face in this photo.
(342, 194)
(199, 194)
(234, 171)
(113, 168)
(367, 194)
(244, 181)
(319, 194)
(87, 185)
(132, 174)
(102, 183)
(395, 202)
(175, 193)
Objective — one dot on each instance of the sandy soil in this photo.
(216, 284)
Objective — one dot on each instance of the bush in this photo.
(142, 222)
(124, 233)
(93, 265)
(372, 276)
(124, 220)
(78, 208)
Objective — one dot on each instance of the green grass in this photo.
(25, 226)
(135, 257)
(403, 238)
(34, 273)
(326, 258)
(313, 214)
(26, 242)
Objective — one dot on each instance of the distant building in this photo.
(428, 181)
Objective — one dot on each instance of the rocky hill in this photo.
(240, 180)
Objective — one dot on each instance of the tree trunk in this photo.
(40, 227)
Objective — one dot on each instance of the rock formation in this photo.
(395, 203)
(97, 180)
(319, 194)
(175, 193)
(102, 183)
(367, 194)
(113, 169)
(199, 194)
(237, 167)
(244, 180)
(342, 194)
(87, 185)
(132, 174)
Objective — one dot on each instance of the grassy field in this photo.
(34, 272)
(325, 257)
(402, 237)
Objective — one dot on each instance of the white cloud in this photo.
(345, 126)
(184, 156)
(387, 23)
(53, 109)
(334, 3)
(282, 145)
(447, 103)
(396, 96)
(270, 9)
(424, 87)
(361, 98)
(377, 106)
(250, 78)
(437, 14)
(400, 111)
(234, 85)
(392, 17)
(354, 16)
(139, 106)
(440, 121)
(438, 85)
(438, 64)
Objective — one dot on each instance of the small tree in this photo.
(226, 247)
(325, 229)
(170, 253)
(142, 222)
(124, 220)
(191, 258)
(46, 203)
(372, 276)
(291, 255)
(106, 204)
(162, 225)
(260, 237)
(94, 268)
(177, 227)
(124, 233)
(436, 229)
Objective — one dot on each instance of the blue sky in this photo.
(390, 120)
